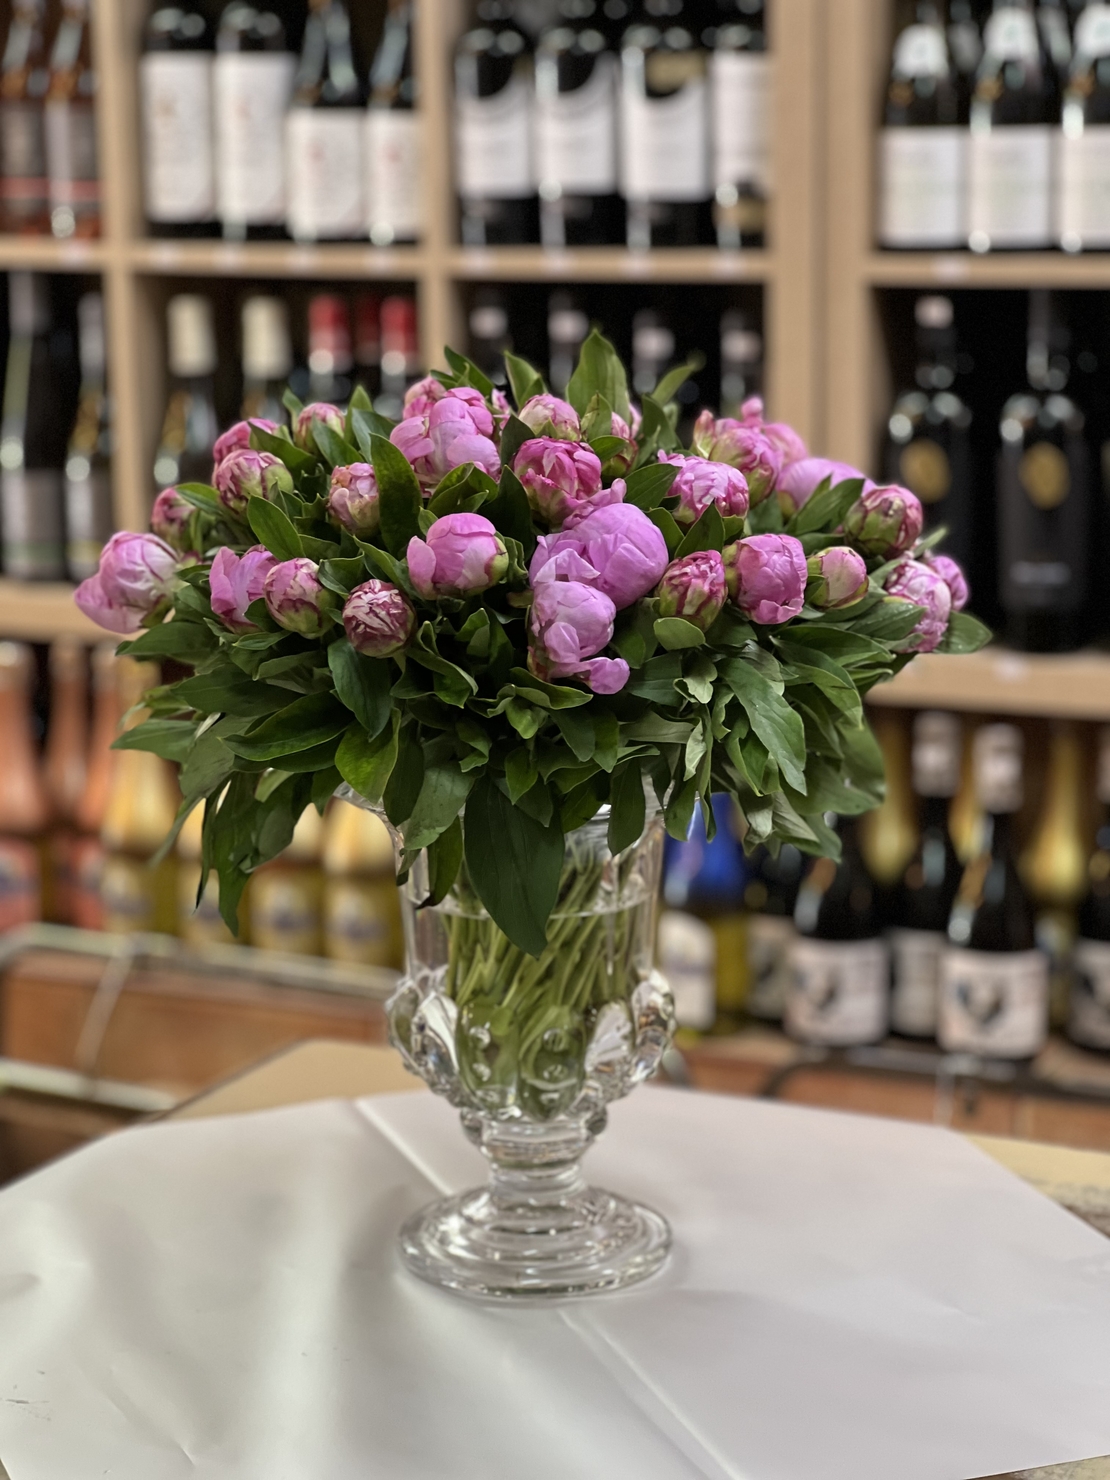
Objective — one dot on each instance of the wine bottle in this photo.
(741, 361)
(567, 327)
(494, 107)
(32, 433)
(362, 917)
(576, 130)
(88, 470)
(252, 82)
(770, 896)
(994, 980)
(24, 807)
(324, 131)
(965, 47)
(1052, 22)
(175, 81)
(1015, 113)
(740, 90)
(267, 357)
(888, 834)
(70, 124)
(1044, 508)
(189, 425)
(1054, 865)
(923, 144)
(286, 896)
(652, 349)
(965, 815)
(368, 342)
(329, 349)
(87, 909)
(400, 353)
(664, 110)
(923, 902)
(24, 77)
(393, 150)
(64, 768)
(488, 327)
(1089, 1008)
(1084, 198)
(929, 432)
(839, 971)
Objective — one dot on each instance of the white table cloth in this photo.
(849, 1299)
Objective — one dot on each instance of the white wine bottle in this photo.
(494, 105)
(1084, 196)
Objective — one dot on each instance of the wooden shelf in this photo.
(276, 260)
(989, 270)
(46, 254)
(608, 265)
(999, 681)
(38, 611)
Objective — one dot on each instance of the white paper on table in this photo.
(851, 1299)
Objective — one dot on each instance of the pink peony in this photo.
(559, 477)
(353, 499)
(801, 480)
(701, 483)
(245, 474)
(295, 598)
(885, 521)
(766, 576)
(461, 555)
(235, 581)
(916, 582)
(169, 518)
(318, 411)
(421, 397)
(616, 550)
(694, 588)
(133, 585)
(741, 445)
(378, 619)
(546, 411)
(238, 436)
(571, 623)
(951, 573)
(458, 429)
(837, 578)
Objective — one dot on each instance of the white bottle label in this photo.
(1084, 195)
(922, 187)
(665, 144)
(920, 51)
(179, 173)
(493, 142)
(576, 135)
(1089, 1014)
(769, 940)
(88, 521)
(325, 172)
(688, 960)
(915, 976)
(31, 524)
(837, 992)
(741, 100)
(251, 95)
(394, 171)
(1010, 35)
(71, 155)
(1010, 187)
(993, 1003)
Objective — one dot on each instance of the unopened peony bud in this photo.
(169, 518)
(353, 499)
(421, 397)
(916, 582)
(319, 411)
(884, 521)
(766, 576)
(559, 477)
(741, 445)
(837, 577)
(378, 619)
(133, 585)
(800, 481)
(701, 483)
(295, 598)
(235, 581)
(461, 555)
(457, 429)
(953, 577)
(693, 588)
(547, 416)
(245, 474)
(238, 436)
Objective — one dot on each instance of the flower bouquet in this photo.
(532, 639)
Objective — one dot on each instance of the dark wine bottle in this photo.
(88, 471)
(741, 361)
(267, 357)
(24, 77)
(393, 148)
(994, 981)
(770, 896)
(175, 79)
(189, 425)
(1015, 114)
(32, 438)
(368, 342)
(1044, 508)
(330, 359)
(838, 990)
(665, 128)
(929, 432)
(567, 327)
(71, 155)
(324, 131)
(740, 81)
(922, 902)
(965, 47)
(1084, 157)
(400, 353)
(576, 130)
(653, 349)
(1089, 1008)
(488, 326)
(252, 82)
(494, 102)
(1052, 22)
(923, 145)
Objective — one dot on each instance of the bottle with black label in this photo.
(839, 982)
(1089, 1010)
(929, 431)
(653, 349)
(494, 107)
(175, 84)
(1044, 509)
(740, 90)
(392, 149)
(32, 438)
(567, 327)
(71, 162)
(1015, 116)
(252, 82)
(741, 361)
(189, 426)
(994, 980)
(329, 349)
(923, 901)
(576, 130)
(267, 357)
(488, 326)
(24, 77)
(88, 480)
(1084, 191)
(923, 144)
(770, 896)
(665, 126)
(400, 353)
(325, 131)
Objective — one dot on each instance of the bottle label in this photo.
(251, 93)
(394, 171)
(1042, 526)
(1089, 1009)
(31, 524)
(915, 974)
(71, 156)
(741, 100)
(993, 1003)
(688, 960)
(837, 991)
(22, 157)
(922, 191)
(1010, 34)
(576, 135)
(285, 911)
(493, 142)
(1010, 185)
(87, 909)
(20, 883)
(665, 144)
(920, 51)
(325, 174)
(769, 941)
(926, 470)
(127, 893)
(359, 922)
(179, 174)
(88, 506)
(1092, 30)
(1084, 198)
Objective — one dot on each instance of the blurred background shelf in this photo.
(989, 270)
(999, 681)
(276, 260)
(610, 265)
(37, 611)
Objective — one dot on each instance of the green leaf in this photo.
(307, 722)
(578, 731)
(673, 379)
(707, 533)
(274, 529)
(443, 792)
(202, 496)
(890, 621)
(365, 764)
(172, 739)
(230, 691)
(295, 458)
(655, 427)
(548, 695)
(406, 779)
(514, 863)
(468, 372)
(634, 638)
(524, 381)
(826, 508)
(656, 679)
(599, 372)
(510, 513)
(292, 403)
(189, 642)
(665, 524)
(513, 438)
(444, 858)
(365, 424)
(966, 634)
(399, 496)
(677, 632)
(336, 450)
(777, 725)
(342, 575)
(363, 684)
(648, 486)
(627, 806)
(521, 771)
(207, 767)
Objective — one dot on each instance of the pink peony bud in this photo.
(133, 585)
(766, 576)
(378, 619)
(953, 577)
(571, 622)
(458, 429)
(499, 405)
(884, 520)
(238, 436)
(786, 439)
(547, 416)
(916, 582)
(618, 463)
(701, 483)
(319, 411)
(353, 499)
(837, 577)
(615, 549)
(558, 477)
(235, 581)
(169, 518)
(295, 598)
(693, 587)
(245, 474)
(421, 397)
(742, 446)
(801, 480)
(461, 555)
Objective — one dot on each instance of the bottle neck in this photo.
(998, 834)
(934, 813)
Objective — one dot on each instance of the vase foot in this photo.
(481, 1245)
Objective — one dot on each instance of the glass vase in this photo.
(532, 1051)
